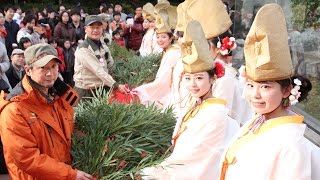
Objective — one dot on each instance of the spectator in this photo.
(24, 43)
(3, 31)
(93, 62)
(61, 9)
(11, 27)
(68, 53)
(83, 15)
(102, 5)
(64, 30)
(149, 43)
(117, 22)
(106, 37)
(117, 38)
(77, 25)
(4, 66)
(45, 12)
(110, 13)
(16, 70)
(52, 18)
(59, 50)
(30, 30)
(37, 121)
(133, 33)
(138, 15)
(44, 24)
(18, 17)
(118, 8)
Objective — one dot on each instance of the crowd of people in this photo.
(65, 30)
(231, 124)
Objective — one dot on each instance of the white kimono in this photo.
(178, 97)
(149, 43)
(158, 91)
(199, 146)
(229, 89)
(278, 151)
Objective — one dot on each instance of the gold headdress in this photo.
(211, 14)
(196, 56)
(266, 47)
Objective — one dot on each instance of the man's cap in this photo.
(129, 16)
(92, 19)
(104, 18)
(40, 54)
(17, 51)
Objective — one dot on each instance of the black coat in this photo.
(13, 77)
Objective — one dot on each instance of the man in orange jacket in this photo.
(36, 121)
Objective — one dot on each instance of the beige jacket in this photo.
(92, 66)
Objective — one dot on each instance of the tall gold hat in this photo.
(196, 56)
(166, 16)
(148, 12)
(266, 47)
(211, 14)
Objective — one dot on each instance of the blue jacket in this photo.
(12, 30)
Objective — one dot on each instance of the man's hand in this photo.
(122, 88)
(83, 176)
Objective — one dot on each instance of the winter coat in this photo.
(4, 64)
(36, 134)
(79, 31)
(64, 32)
(134, 35)
(69, 59)
(12, 30)
(62, 66)
(13, 76)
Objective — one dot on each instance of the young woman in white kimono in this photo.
(149, 43)
(202, 134)
(157, 92)
(214, 25)
(229, 87)
(271, 146)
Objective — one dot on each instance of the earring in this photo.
(285, 102)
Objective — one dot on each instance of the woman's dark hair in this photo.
(61, 14)
(75, 11)
(22, 41)
(170, 34)
(215, 40)
(28, 18)
(305, 87)
(212, 72)
(51, 41)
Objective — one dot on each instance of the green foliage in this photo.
(114, 141)
(120, 53)
(311, 105)
(131, 69)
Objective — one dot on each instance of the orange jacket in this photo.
(36, 135)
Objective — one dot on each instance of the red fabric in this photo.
(219, 70)
(62, 66)
(3, 32)
(120, 42)
(117, 96)
(134, 35)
